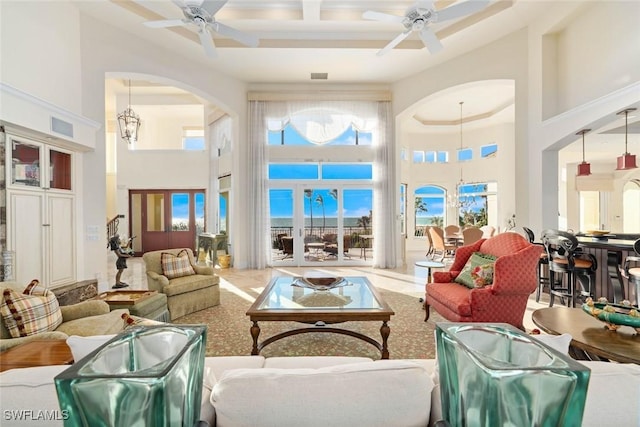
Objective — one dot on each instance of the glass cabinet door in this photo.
(26, 158)
(25, 163)
(59, 170)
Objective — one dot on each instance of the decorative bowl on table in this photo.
(613, 315)
(598, 232)
(319, 282)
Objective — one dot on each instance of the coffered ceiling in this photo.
(301, 37)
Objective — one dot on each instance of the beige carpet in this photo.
(228, 332)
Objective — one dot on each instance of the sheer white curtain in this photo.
(385, 198)
(259, 247)
(320, 122)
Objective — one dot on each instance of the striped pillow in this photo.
(27, 313)
(176, 265)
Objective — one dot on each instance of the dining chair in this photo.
(488, 231)
(471, 235)
(439, 243)
(567, 261)
(430, 250)
(633, 274)
(543, 264)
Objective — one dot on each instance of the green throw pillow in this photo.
(475, 260)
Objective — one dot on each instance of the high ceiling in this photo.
(301, 37)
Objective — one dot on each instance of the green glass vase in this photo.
(145, 376)
(496, 375)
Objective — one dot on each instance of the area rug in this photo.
(228, 332)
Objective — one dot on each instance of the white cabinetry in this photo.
(40, 212)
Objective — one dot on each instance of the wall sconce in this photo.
(626, 161)
(584, 168)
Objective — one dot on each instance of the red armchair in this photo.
(505, 301)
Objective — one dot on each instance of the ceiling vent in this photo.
(319, 76)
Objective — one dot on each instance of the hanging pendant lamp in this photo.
(626, 161)
(454, 200)
(129, 122)
(584, 168)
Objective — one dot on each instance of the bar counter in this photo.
(610, 253)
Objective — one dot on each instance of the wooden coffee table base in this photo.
(381, 346)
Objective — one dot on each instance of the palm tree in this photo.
(320, 200)
(309, 195)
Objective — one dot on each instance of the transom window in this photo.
(334, 171)
(290, 136)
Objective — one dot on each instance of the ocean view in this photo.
(329, 222)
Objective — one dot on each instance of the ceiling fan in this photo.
(201, 14)
(419, 16)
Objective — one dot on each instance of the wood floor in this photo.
(407, 279)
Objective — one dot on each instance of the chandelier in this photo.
(129, 122)
(455, 199)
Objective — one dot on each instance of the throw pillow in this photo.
(30, 312)
(388, 393)
(476, 259)
(176, 265)
(482, 275)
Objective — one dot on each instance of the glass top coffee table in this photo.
(288, 299)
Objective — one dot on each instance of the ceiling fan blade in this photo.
(165, 23)
(385, 17)
(430, 40)
(207, 43)
(393, 43)
(424, 4)
(212, 6)
(239, 36)
(460, 9)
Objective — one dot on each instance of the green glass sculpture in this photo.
(492, 374)
(145, 376)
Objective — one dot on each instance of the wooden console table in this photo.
(36, 353)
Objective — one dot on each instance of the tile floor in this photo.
(407, 279)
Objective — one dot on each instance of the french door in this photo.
(320, 224)
(166, 219)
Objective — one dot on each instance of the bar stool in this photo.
(633, 274)
(572, 265)
(542, 262)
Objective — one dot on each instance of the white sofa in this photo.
(283, 391)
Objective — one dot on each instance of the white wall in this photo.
(36, 35)
(76, 53)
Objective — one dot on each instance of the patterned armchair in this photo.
(505, 301)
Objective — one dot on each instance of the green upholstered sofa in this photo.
(84, 319)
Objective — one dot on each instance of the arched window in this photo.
(429, 208)
(478, 204)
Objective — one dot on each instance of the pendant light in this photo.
(626, 161)
(584, 168)
(129, 122)
(454, 200)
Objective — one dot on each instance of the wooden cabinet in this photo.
(41, 212)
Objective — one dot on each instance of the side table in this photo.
(428, 265)
(147, 304)
(36, 353)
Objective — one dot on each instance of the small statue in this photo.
(122, 252)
